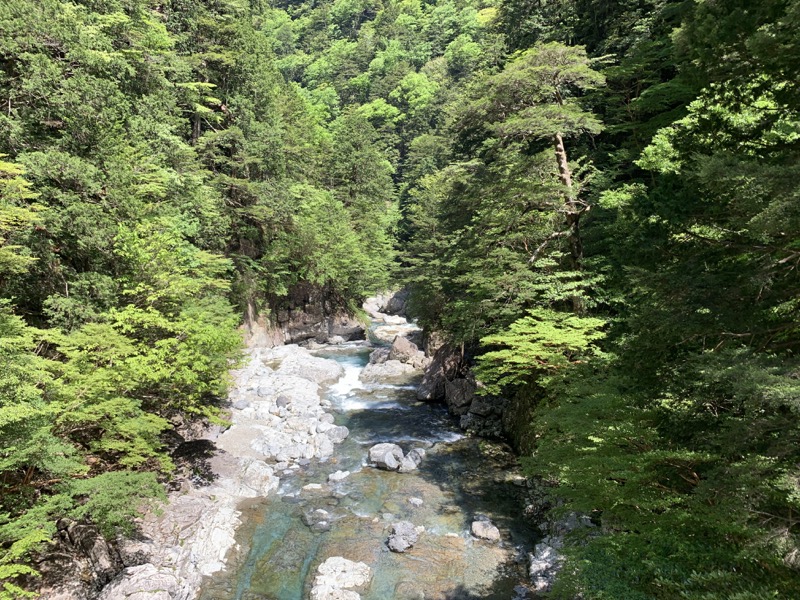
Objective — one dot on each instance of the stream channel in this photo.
(459, 478)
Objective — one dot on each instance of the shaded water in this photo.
(459, 478)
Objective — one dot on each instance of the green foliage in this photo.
(112, 500)
(543, 342)
(15, 214)
(598, 198)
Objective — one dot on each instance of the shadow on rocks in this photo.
(193, 461)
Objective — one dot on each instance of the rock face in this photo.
(79, 548)
(459, 395)
(390, 457)
(337, 577)
(404, 536)
(484, 529)
(306, 318)
(444, 366)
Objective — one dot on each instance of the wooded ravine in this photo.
(595, 201)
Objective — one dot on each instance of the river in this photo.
(281, 541)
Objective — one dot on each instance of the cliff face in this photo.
(306, 315)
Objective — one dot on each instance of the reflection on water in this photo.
(456, 480)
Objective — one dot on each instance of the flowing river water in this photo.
(459, 478)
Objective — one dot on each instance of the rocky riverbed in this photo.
(279, 421)
(334, 481)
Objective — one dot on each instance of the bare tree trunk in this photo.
(564, 174)
(573, 214)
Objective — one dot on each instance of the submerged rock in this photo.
(337, 577)
(317, 520)
(404, 536)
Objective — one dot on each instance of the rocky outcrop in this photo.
(403, 536)
(306, 316)
(444, 366)
(337, 577)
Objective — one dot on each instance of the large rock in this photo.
(391, 371)
(379, 356)
(337, 577)
(299, 362)
(404, 536)
(407, 352)
(411, 460)
(485, 530)
(459, 395)
(390, 457)
(444, 367)
(402, 349)
(386, 456)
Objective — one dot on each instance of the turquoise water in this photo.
(459, 478)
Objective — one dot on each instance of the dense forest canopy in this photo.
(597, 198)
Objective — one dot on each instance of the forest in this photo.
(596, 199)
